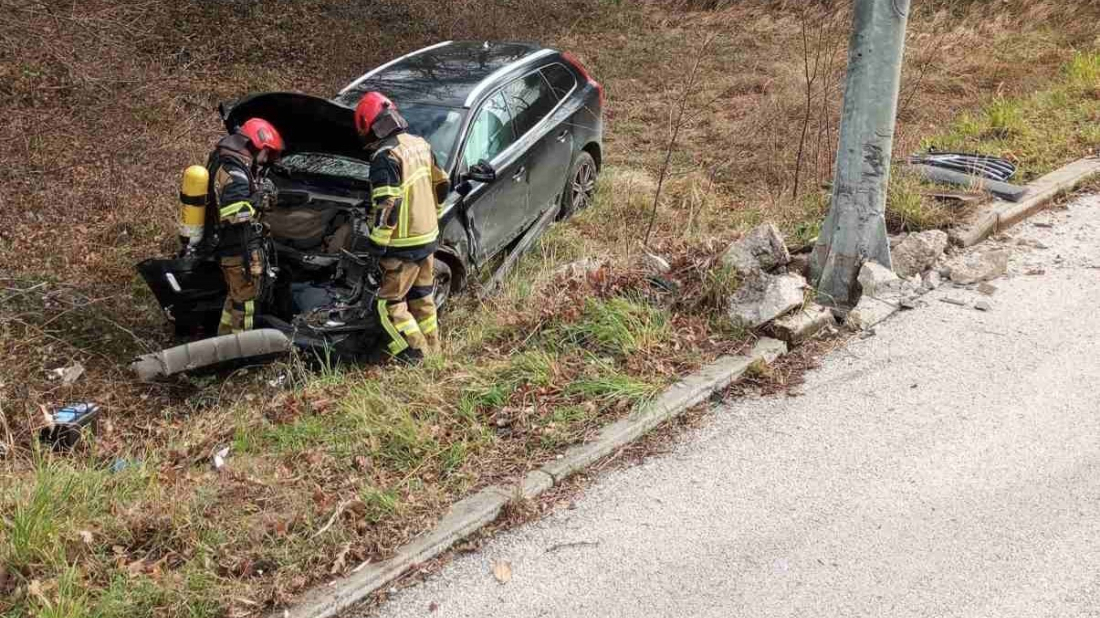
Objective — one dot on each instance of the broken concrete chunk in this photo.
(803, 324)
(977, 267)
(763, 297)
(983, 305)
(931, 280)
(951, 300)
(987, 288)
(881, 283)
(761, 249)
(768, 349)
(874, 278)
(918, 252)
(1035, 244)
(869, 312)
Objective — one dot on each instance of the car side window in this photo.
(490, 132)
(530, 99)
(560, 78)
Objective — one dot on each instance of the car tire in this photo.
(580, 186)
(443, 279)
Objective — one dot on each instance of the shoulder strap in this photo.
(385, 147)
(235, 148)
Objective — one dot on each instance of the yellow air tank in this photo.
(193, 189)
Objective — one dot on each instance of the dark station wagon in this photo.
(518, 128)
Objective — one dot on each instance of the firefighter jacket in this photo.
(233, 197)
(407, 190)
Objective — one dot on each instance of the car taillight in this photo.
(571, 59)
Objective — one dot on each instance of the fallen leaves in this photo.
(341, 561)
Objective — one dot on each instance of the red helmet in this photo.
(370, 107)
(262, 135)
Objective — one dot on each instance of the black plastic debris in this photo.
(939, 175)
(68, 424)
(972, 164)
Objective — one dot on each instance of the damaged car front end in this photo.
(517, 128)
(318, 296)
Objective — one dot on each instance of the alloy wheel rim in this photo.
(584, 187)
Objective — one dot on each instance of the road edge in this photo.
(474, 512)
(999, 215)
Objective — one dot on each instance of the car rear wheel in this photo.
(580, 188)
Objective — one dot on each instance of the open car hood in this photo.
(306, 123)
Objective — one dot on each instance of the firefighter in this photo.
(237, 197)
(407, 190)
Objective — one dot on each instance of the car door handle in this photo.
(520, 173)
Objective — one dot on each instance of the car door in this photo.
(549, 145)
(489, 206)
(557, 147)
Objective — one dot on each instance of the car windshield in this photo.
(437, 124)
(326, 165)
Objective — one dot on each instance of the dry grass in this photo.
(739, 155)
(104, 102)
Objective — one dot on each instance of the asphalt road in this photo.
(947, 466)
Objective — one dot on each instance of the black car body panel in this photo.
(528, 111)
(190, 291)
(306, 123)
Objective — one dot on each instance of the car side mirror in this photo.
(482, 171)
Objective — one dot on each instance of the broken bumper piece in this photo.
(253, 345)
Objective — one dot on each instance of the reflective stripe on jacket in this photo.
(406, 213)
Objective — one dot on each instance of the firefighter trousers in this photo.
(239, 312)
(406, 305)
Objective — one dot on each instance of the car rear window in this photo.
(530, 100)
(560, 78)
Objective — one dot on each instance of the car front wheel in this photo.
(580, 187)
(442, 272)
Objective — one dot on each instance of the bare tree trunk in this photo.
(675, 134)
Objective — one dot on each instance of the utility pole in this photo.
(855, 229)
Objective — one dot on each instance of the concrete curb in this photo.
(475, 512)
(802, 324)
(1000, 214)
